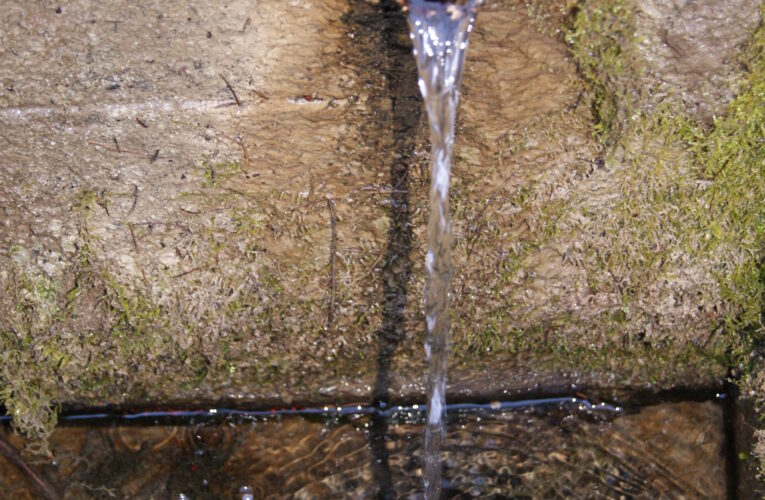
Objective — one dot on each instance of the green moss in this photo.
(216, 173)
(27, 397)
(551, 346)
(602, 41)
(137, 323)
(35, 294)
(690, 199)
(706, 190)
(28, 394)
(705, 186)
(733, 160)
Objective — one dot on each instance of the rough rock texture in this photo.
(691, 49)
(204, 200)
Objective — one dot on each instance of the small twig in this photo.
(103, 204)
(231, 89)
(10, 453)
(100, 489)
(132, 235)
(384, 191)
(184, 273)
(115, 22)
(595, 163)
(240, 193)
(720, 170)
(310, 188)
(135, 198)
(332, 263)
(165, 441)
(244, 152)
(712, 333)
(141, 123)
(238, 142)
(368, 272)
(150, 224)
(116, 144)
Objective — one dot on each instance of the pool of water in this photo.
(544, 449)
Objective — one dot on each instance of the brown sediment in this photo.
(39, 484)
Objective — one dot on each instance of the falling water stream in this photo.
(439, 31)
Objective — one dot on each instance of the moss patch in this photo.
(28, 339)
(692, 196)
(602, 42)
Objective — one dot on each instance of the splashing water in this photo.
(440, 33)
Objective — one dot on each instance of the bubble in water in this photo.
(246, 492)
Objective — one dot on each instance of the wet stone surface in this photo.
(669, 450)
(204, 201)
(691, 50)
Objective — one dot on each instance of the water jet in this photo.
(439, 32)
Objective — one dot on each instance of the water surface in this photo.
(556, 450)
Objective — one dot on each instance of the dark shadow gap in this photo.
(625, 397)
(192, 415)
(382, 29)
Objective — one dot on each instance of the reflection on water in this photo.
(545, 451)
